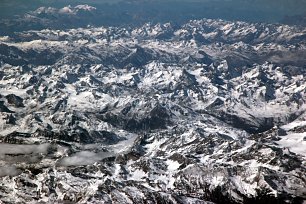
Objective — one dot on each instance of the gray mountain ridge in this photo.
(207, 111)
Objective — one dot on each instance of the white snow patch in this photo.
(138, 175)
(295, 142)
(172, 165)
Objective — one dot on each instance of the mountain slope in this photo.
(206, 111)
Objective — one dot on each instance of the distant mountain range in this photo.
(207, 111)
(17, 15)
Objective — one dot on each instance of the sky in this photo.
(246, 10)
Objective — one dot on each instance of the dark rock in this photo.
(3, 108)
(281, 132)
(33, 80)
(10, 119)
(15, 100)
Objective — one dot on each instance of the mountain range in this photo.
(207, 111)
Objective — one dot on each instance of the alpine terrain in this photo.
(207, 111)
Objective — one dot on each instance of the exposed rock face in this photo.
(206, 111)
(14, 100)
(3, 108)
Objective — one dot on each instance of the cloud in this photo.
(23, 149)
(84, 158)
(9, 171)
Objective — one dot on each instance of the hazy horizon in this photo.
(255, 10)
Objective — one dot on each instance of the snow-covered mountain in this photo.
(208, 111)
